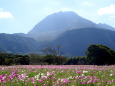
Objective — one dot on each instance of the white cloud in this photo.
(5, 14)
(106, 10)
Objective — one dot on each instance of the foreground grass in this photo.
(60, 75)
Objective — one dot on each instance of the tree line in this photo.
(96, 54)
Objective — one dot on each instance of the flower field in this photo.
(57, 75)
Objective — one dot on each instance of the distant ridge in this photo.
(17, 44)
(106, 26)
(75, 42)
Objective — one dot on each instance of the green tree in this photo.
(22, 59)
(79, 60)
(36, 59)
(60, 60)
(54, 51)
(57, 60)
(53, 55)
(50, 59)
(8, 61)
(1, 58)
(98, 54)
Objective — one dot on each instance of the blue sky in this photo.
(22, 15)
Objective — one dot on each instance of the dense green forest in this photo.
(96, 54)
(17, 44)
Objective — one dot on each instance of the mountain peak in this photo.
(57, 23)
(66, 12)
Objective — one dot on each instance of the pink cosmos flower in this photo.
(78, 72)
(82, 82)
(65, 80)
(90, 81)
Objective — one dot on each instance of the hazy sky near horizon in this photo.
(22, 15)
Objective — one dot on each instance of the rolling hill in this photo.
(17, 44)
(75, 42)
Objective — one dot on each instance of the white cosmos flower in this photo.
(84, 71)
(111, 74)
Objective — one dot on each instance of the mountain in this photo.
(20, 34)
(67, 29)
(17, 44)
(57, 23)
(105, 26)
(73, 32)
(75, 42)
